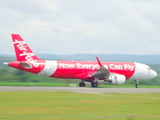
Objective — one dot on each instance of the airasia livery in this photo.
(93, 72)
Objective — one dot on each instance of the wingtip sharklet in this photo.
(99, 62)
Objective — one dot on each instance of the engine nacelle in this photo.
(117, 79)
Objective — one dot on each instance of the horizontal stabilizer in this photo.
(25, 65)
(5, 63)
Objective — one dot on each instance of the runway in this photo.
(81, 89)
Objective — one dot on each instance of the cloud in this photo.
(92, 26)
(32, 7)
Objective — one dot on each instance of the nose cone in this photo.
(154, 74)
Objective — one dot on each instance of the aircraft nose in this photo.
(154, 74)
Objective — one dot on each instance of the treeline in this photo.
(14, 75)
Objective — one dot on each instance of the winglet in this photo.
(99, 62)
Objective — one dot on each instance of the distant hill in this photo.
(148, 59)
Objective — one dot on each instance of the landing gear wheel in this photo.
(82, 84)
(94, 84)
(137, 86)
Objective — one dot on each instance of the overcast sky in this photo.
(82, 26)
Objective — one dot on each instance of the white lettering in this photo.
(111, 66)
(106, 66)
(85, 66)
(128, 67)
(22, 47)
(63, 65)
(78, 65)
(118, 67)
(94, 66)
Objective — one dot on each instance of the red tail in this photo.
(23, 52)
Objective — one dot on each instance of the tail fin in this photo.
(22, 50)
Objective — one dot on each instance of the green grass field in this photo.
(78, 106)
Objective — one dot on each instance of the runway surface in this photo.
(80, 89)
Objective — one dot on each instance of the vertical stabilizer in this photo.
(22, 50)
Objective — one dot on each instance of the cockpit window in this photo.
(148, 68)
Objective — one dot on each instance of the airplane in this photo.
(115, 73)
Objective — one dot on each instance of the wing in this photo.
(102, 72)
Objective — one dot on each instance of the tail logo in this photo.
(21, 45)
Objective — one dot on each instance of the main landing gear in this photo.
(82, 84)
(137, 84)
(94, 84)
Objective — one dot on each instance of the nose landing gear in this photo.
(137, 84)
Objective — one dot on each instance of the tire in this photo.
(137, 86)
(94, 84)
(82, 84)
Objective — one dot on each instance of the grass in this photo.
(67, 85)
(78, 106)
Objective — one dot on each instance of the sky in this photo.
(82, 26)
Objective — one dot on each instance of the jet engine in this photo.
(116, 79)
